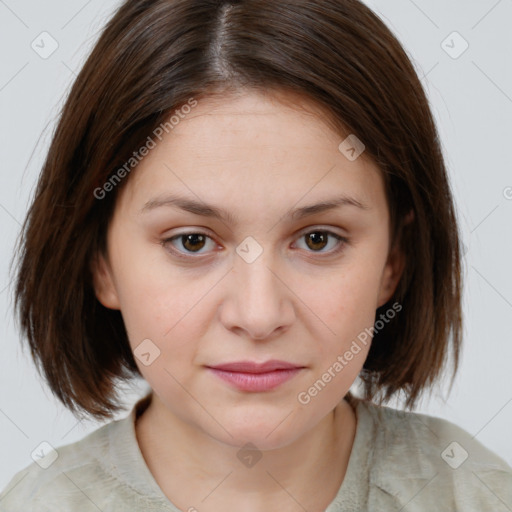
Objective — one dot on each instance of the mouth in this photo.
(256, 377)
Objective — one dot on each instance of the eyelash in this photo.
(342, 242)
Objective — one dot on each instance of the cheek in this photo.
(346, 302)
(163, 322)
(167, 306)
(163, 314)
(153, 295)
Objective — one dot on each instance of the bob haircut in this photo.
(152, 57)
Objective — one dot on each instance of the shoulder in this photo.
(430, 463)
(75, 476)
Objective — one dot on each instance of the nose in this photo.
(259, 305)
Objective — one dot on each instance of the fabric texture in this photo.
(400, 461)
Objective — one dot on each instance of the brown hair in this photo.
(152, 57)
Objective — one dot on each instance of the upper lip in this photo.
(253, 367)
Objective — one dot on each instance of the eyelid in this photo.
(318, 227)
(187, 255)
(341, 240)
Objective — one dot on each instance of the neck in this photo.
(195, 470)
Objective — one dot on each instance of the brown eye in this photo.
(187, 243)
(321, 242)
(193, 242)
(317, 240)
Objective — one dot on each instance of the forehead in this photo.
(254, 147)
(271, 120)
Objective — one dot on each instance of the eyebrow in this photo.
(207, 210)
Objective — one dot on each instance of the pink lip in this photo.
(251, 376)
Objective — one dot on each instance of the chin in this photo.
(266, 433)
(246, 438)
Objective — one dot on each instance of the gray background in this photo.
(471, 97)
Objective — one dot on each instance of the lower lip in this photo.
(256, 381)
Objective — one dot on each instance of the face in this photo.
(247, 237)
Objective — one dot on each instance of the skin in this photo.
(257, 156)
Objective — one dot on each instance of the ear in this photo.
(103, 282)
(391, 275)
(395, 264)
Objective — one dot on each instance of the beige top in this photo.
(399, 461)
